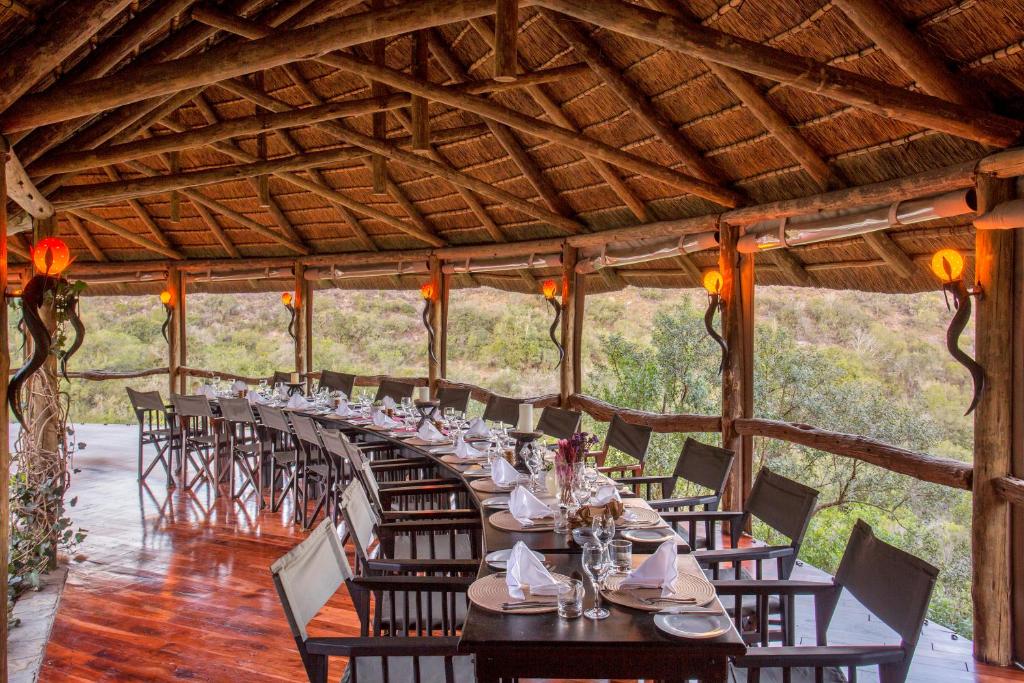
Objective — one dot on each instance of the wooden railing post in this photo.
(993, 433)
(176, 382)
(434, 364)
(567, 381)
(732, 373)
(5, 454)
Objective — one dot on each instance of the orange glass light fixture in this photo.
(427, 291)
(948, 265)
(286, 298)
(549, 288)
(51, 256)
(713, 282)
(165, 297)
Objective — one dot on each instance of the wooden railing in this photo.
(483, 395)
(659, 422)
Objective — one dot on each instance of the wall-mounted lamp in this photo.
(428, 292)
(713, 284)
(51, 257)
(286, 299)
(948, 266)
(165, 299)
(549, 288)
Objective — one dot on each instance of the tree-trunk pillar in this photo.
(5, 453)
(732, 373)
(993, 432)
(577, 332)
(566, 376)
(748, 319)
(442, 356)
(174, 331)
(301, 301)
(434, 360)
(1017, 464)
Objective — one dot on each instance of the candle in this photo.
(294, 378)
(525, 417)
(422, 393)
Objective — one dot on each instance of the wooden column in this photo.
(748, 321)
(732, 373)
(442, 357)
(434, 366)
(302, 299)
(1017, 463)
(175, 336)
(5, 454)
(993, 432)
(577, 333)
(567, 380)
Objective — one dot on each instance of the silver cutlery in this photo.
(527, 605)
(674, 601)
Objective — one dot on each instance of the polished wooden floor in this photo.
(176, 586)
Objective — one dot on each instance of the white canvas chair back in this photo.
(308, 576)
(359, 517)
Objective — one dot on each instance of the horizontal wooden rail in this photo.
(101, 375)
(1010, 488)
(483, 395)
(361, 380)
(659, 422)
(921, 466)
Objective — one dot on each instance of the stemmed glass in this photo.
(535, 463)
(596, 566)
(604, 529)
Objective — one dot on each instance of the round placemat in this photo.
(506, 522)
(645, 518)
(456, 460)
(488, 486)
(491, 592)
(686, 586)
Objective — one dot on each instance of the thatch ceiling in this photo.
(978, 45)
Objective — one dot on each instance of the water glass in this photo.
(621, 554)
(561, 515)
(570, 599)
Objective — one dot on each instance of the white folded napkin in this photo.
(504, 474)
(605, 494)
(526, 507)
(389, 403)
(255, 398)
(207, 391)
(657, 571)
(341, 395)
(478, 428)
(382, 420)
(428, 432)
(464, 450)
(524, 570)
(239, 385)
(343, 410)
(297, 402)
(282, 390)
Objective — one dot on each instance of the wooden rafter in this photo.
(218, 232)
(86, 237)
(891, 253)
(135, 238)
(804, 73)
(140, 211)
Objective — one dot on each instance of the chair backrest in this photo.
(502, 409)
(559, 423)
(396, 390)
(893, 584)
(704, 464)
(783, 504)
(237, 410)
(631, 439)
(145, 400)
(274, 418)
(453, 397)
(280, 377)
(359, 518)
(345, 453)
(305, 430)
(308, 575)
(337, 381)
(191, 406)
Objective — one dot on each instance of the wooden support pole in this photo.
(567, 381)
(577, 332)
(434, 364)
(748, 320)
(5, 453)
(442, 356)
(1017, 456)
(301, 300)
(732, 373)
(175, 356)
(418, 108)
(506, 33)
(993, 433)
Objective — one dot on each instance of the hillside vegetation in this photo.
(866, 364)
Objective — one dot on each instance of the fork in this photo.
(674, 601)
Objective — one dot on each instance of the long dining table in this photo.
(506, 646)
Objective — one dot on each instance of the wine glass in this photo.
(595, 566)
(604, 529)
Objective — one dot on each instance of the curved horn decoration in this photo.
(714, 303)
(76, 324)
(291, 323)
(32, 299)
(962, 305)
(167, 321)
(555, 304)
(427, 305)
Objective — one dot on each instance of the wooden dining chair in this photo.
(502, 409)
(283, 457)
(453, 397)
(156, 429)
(629, 439)
(337, 381)
(893, 585)
(559, 423)
(395, 644)
(245, 446)
(280, 378)
(396, 390)
(198, 438)
(700, 465)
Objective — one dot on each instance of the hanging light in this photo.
(286, 299)
(165, 298)
(712, 282)
(51, 256)
(429, 293)
(948, 267)
(549, 288)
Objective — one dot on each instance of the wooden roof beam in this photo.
(791, 266)
(871, 95)
(141, 241)
(225, 61)
(86, 237)
(555, 114)
(886, 29)
(218, 232)
(140, 211)
(636, 101)
(890, 252)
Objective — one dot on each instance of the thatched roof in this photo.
(978, 44)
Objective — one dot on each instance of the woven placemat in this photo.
(691, 583)
(506, 522)
(417, 441)
(491, 592)
(456, 460)
(643, 518)
(488, 486)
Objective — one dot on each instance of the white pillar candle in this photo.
(422, 393)
(295, 378)
(525, 417)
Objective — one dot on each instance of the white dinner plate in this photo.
(692, 625)
(496, 502)
(499, 558)
(647, 535)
